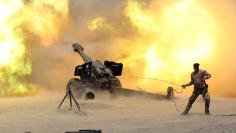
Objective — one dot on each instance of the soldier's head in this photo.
(196, 67)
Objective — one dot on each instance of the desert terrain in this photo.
(39, 114)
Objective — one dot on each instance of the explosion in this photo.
(153, 39)
(98, 22)
(18, 20)
(168, 37)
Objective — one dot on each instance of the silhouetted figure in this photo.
(198, 78)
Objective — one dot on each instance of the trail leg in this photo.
(76, 103)
(70, 100)
(63, 100)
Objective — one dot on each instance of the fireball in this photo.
(38, 17)
(171, 35)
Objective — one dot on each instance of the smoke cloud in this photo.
(157, 39)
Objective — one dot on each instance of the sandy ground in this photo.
(39, 114)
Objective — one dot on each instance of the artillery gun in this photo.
(94, 75)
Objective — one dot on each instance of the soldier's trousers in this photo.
(195, 94)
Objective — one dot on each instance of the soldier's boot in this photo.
(207, 112)
(190, 102)
(188, 107)
(207, 104)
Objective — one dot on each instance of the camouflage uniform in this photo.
(200, 88)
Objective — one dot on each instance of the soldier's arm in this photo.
(207, 75)
(191, 82)
(188, 84)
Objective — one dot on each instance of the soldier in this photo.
(198, 78)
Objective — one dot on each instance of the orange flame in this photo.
(167, 38)
(41, 18)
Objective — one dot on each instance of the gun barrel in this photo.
(80, 50)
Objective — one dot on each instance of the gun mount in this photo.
(94, 75)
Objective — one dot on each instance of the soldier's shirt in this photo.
(198, 78)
